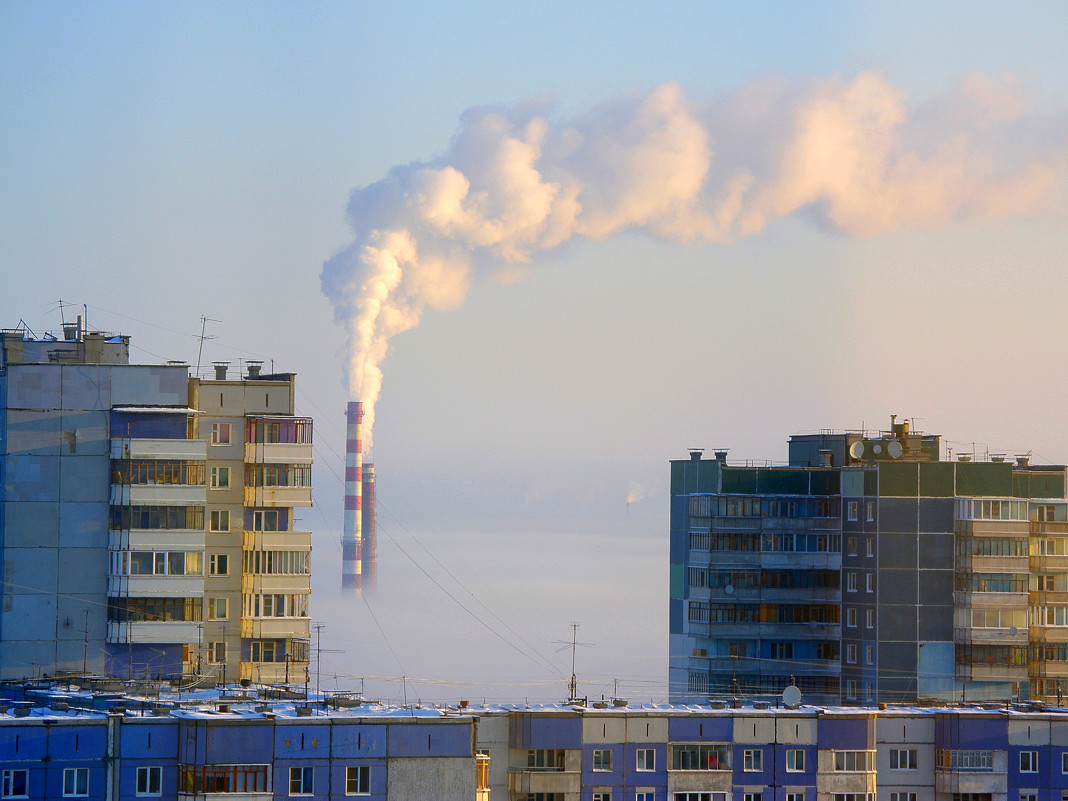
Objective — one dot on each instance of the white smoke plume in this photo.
(849, 154)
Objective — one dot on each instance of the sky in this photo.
(625, 230)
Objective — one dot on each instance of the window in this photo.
(782, 650)
(218, 608)
(795, 797)
(851, 510)
(869, 618)
(220, 519)
(902, 796)
(603, 795)
(871, 511)
(1045, 583)
(851, 581)
(545, 759)
(869, 548)
(1064, 761)
(219, 564)
(216, 652)
(267, 651)
(75, 782)
(300, 781)
(220, 477)
(751, 796)
(1028, 795)
(851, 689)
(795, 760)
(646, 759)
(602, 759)
(14, 784)
(851, 653)
(150, 781)
(738, 649)
(752, 759)
(851, 546)
(243, 778)
(220, 433)
(903, 759)
(869, 654)
(869, 582)
(852, 761)
(851, 617)
(1029, 762)
(265, 520)
(358, 780)
(643, 794)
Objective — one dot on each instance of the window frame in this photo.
(360, 775)
(303, 776)
(602, 760)
(146, 777)
(795, 760)
(220, 478)
(1032, 761)
(220, 527)
(645, 760)
(903, 758)
(753, 760)
(80, 781)
(8, 778)
(217, 429)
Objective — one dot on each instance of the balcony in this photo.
(278, 496)
(180, 631)
(277, 452)
(190, 450)
(275, 628)
(526, 782)
(158, 495)
(284, 583)
(162, 586)
(276, 540)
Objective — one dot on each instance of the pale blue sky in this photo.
(159, 161)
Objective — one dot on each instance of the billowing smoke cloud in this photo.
(850, 154)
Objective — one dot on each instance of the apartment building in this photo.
(259, 750)
(139, 535)
(868, 569)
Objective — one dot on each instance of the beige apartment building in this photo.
(257, 564)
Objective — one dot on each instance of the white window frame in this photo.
(851, 581)
(220, 478)
(795, 797)
(602, 795)
(869, 654)
(8, 783)
(753, 760)
(903, 758)
(148, 778)
(757, 796)
(214, 560)
(869, 546)
(602, 760)
(869, 618)
(216, 652)
(851, 617)
(219, 514)
(214, 605)
(360, 775)
(851, 689)
(851, 653)
(76, 782)
(1064, 761)
(645, 760)
(869, 582)
(852, 510)
(795, 760)
(304, 776)
(1031, 760)
(871, 511)
(217, 429)
(644, 794)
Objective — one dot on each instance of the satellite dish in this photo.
(791, 696)
(894, 449)
(1013, 631)
(856, 450)
(878, 449)
(729, 589)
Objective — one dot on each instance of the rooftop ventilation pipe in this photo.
(826, 458)
(695, 453)
(220, 370)
(254, 369)
(721, 457)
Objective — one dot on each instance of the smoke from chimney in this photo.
(846, 152)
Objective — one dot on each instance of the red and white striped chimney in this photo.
(368, 545)
(351, 567)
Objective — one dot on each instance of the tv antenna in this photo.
(572, 686)
(203, 324)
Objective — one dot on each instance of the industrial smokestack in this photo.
(370, 544)
(351, 537)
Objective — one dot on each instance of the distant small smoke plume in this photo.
(848, 153)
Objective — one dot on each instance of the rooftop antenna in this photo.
(203, 324)
(572, 686)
